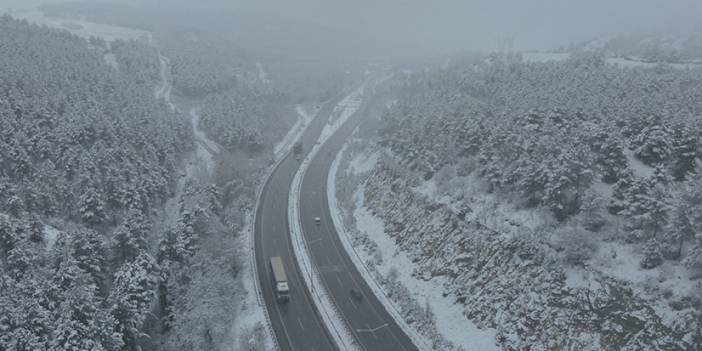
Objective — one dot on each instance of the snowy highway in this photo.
(298, 325)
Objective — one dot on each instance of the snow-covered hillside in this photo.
(541, 201)
(650, 47)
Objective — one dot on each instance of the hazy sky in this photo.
(400, 28)
(455, 24)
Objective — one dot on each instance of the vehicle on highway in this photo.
(297, 149)
(356, 295)
(282, 290)
(317, 220)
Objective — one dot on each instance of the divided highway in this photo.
(297, 324)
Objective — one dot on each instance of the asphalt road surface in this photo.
(371, 325)
(297, 324)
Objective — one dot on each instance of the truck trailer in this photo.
(280, 280)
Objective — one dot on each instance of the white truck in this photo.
(280, 280)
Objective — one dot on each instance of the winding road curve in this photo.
(297, 324)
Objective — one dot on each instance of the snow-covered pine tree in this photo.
(178, 243)
(693, 260)
(679, 229)
(129, 239)
(654, 144)
(82, 324)
(19, 261)
(130, 299)
(652, 256)
(646, 209)
(591, 211)
(35, 228)
(611, 159)
(89, 251)
(24, 323)
(9, 236)
(686, 150)
(91, 206)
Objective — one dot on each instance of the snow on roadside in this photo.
(450, 321)
(251, 313)
(332, 319)
(346, 108)
(303, 120)
(338, 222)
(362, 163)
(328, 312)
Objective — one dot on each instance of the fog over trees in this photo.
(524, 175)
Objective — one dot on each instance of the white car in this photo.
(317, 220)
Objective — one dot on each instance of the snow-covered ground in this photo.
(206, 149)
(303, 120)
(50, 236)
(540, 57)
(262, 74)
(111, 60)
(163, 90)
(622, 261)
(450, 321)
(363, 163)
(625, 62)
(622, 62)
(356, 256)
(251, 311)
(201, 164)
(343, 110)
(86, 29)
(490, 209)
(661, 287)
(597, 44)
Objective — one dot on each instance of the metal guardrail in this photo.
(295, 224)
(368, 276)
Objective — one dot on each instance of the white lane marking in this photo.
(300, 323)
(331, 269)
(323, 281)
(372, 330)
(328, 229)
(267, 278)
